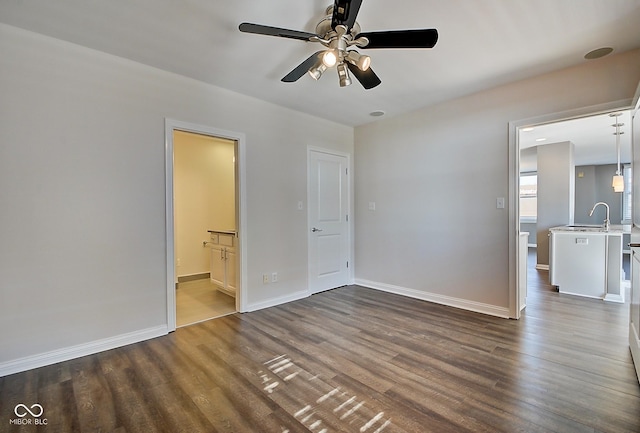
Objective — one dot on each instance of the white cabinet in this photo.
(586, 262)
(577, 264)
(223, 261)
(230, 269)
(217, 265)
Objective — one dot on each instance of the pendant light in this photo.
(618, 179)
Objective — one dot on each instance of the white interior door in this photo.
(634, 316)
(328, 204)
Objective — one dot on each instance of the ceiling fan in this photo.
(338, 32)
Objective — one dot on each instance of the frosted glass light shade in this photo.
(317, 70)
(329, 58)
(618, 183)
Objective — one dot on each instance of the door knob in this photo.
(316, 230)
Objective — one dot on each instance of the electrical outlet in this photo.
(178, 262)
(274, 277)
(265, 278)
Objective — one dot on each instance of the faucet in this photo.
(606, 221)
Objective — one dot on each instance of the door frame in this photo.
(350, 225)
(514, 184)
(634, 338)
(172, 125)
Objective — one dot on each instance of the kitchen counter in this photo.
(587, 228)
(586, 260)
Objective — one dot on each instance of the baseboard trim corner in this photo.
(464, 304)
(77, 351)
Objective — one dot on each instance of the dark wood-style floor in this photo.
(354, 360)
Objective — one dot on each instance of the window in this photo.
(528, 197)
(627, 204)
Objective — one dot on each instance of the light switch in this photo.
(372, 205)
(500, 203)
(300, 205)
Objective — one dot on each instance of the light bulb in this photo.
(329, 58)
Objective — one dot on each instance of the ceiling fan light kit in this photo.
(339, 32)
(361, 61)
(317, 70)
(343, 74)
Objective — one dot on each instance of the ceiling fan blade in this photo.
(422, 38)
(367, 78)
(301, 69)
(275, 31)
(345, 13)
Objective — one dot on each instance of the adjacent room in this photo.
(296, 216)
(205, 214)
(559, 190)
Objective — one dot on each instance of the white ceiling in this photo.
(592, 136)
(483, 43)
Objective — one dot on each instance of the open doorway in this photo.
(204, 210)
(579, 158)
(568, 195)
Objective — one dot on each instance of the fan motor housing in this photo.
(324, 29)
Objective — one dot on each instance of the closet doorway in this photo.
(203, 248)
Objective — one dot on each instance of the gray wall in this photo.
(593, 186)
(556, 192)
(531, 228)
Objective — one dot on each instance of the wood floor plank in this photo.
(59, 404)
(92, 395)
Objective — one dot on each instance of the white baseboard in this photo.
(277, 301)
(542, 267)
(463, 304)
(618, 298)
(67, 353)
(282, 300)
